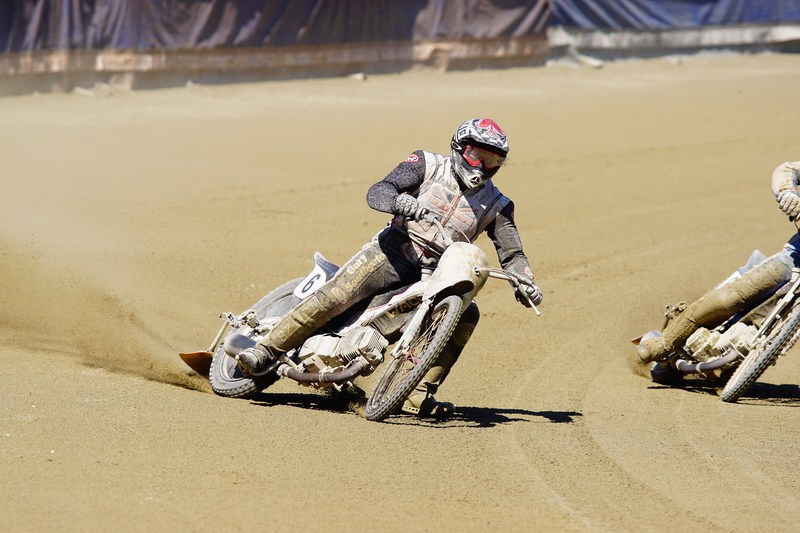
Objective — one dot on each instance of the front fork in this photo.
(412, 329)
(779, 307)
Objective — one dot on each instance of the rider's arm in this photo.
(784, 186)
(505, 237)
(507, 242)
(786, 177)
(404, 178)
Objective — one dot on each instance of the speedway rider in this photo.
(751, 289)
(456, 189)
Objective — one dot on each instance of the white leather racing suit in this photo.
(400, 252)
(745, 292)
(786, 177)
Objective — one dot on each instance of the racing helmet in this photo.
(479, 149)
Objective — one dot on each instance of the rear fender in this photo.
(323, 271)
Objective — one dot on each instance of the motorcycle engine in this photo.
(326, 353)
(704, 345)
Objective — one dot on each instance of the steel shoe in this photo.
(665, 374)
(256, 361)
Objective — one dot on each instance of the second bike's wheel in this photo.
(777, 341)
(225, 377)
(404, 372)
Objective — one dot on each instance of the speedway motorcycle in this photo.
(416, 322)
(741, 349)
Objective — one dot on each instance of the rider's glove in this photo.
(408, 206)
(533, 292)
(790, 203)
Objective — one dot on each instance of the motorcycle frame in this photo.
(786, 300)
(462, 270)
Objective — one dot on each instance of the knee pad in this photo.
(331, 295)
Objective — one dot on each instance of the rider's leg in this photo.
(366, 273)
(421, 401)
(719, 304)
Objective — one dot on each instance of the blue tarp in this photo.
(30, 25)
(670, 14)
(27, 25)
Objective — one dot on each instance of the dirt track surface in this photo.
(130, 220)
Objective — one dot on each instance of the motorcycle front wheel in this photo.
(405, 371)
(776, 342)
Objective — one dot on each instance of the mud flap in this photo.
(200, 362)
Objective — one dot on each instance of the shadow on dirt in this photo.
(334, 403)
(353, 403)
(697, 387)
(486, 417)
(769, 394)
(758, 394)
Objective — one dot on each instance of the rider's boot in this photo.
(716, 306)
(290, 331)
(679, 329)
(256, 360)
(421, 402)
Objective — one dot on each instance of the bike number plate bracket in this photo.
(311, 283)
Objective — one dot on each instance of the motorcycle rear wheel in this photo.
(402, 375)
(778, 340)
(225, 377)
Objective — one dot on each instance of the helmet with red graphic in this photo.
(479, 149)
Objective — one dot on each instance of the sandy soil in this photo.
(129, 221)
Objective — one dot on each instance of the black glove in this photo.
(408, 206)
(532, 291)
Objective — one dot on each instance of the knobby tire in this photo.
(761, 358)
(401, 376)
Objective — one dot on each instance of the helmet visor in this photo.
(477, 157)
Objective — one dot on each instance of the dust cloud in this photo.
(50, 306)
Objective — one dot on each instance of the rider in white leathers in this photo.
(752, 288)
(458, 190)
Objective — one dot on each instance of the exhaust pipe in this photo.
(693, 368)
(347, 374)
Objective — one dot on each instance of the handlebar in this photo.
(514, 279)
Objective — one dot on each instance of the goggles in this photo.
(480, 157)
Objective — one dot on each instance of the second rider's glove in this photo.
(532, 291)
(408, 206)
(790, 203)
